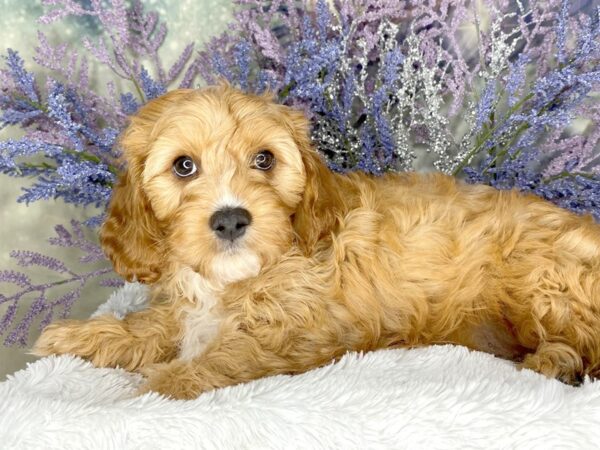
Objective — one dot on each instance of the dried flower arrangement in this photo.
(388, 85)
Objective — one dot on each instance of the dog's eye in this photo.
(184, 166)
(264, 160)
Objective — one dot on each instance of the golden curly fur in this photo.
(330, 263)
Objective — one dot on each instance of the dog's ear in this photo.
(131, 236)
(316, 214)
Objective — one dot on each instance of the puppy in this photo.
(264, 262)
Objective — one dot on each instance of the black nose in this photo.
(230, 223)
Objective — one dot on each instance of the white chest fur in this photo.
(203, 316)
(200, 327)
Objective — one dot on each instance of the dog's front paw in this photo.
(58, 338)
(175, 380)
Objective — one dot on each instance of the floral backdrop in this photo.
(492, 91)
(28, 226)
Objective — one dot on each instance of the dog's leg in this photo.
(238, 356)
(219, 367)
(553, 286)
(556, 360)
(141, 338)
(557, 321)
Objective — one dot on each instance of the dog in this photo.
(264, 262)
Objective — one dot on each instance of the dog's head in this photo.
(217, 181)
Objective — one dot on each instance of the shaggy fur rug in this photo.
(434, 397)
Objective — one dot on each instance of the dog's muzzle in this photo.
(230, 223)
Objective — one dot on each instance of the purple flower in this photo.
(58, 109)
(516, 78)
(151, 88)
(179, 65)
(561, 32)
(392, 62)
(486, 104)
(27, 258)
(70, 132)
(128, 103)
(17, 331)
(24, 81)
(241, 54)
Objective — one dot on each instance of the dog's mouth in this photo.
(235, 262)
(230, 246)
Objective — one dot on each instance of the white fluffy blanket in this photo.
(436, 397)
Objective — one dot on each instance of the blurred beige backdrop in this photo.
(28, 227)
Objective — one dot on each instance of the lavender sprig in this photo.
(532, 83)
(73, 127)
(44, 308)
(69, 143)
